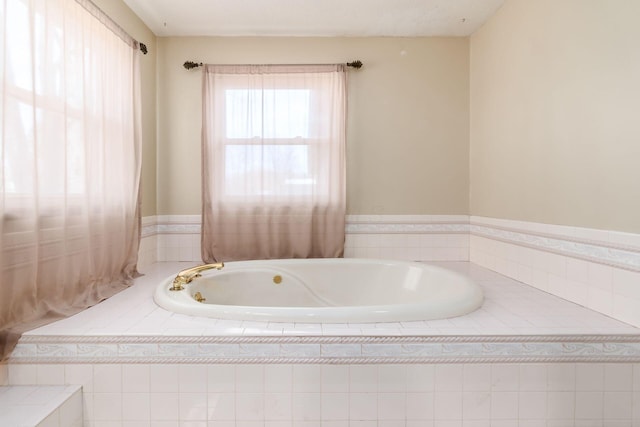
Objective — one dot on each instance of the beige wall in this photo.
(407, 125)
(551, 108)
(555, 114)
(120, 13)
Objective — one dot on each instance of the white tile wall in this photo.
(599, 279)
(598, 269)
(4, 373)
(148, 252)
(169, 238)
(408, 247)
(41, 406)
(606, 279)
(567, 394)
(408, 237)
(400, 237)
(394, 395)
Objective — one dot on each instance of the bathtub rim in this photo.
(182, 302)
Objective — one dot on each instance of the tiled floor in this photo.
(510, 308)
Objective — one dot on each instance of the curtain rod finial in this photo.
(190, 64)
(357, 64)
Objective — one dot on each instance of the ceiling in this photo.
(354, 18)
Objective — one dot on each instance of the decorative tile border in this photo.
(149, 226)
(607, 253)
(405, 237)
(378, 224)
(554, 240)
(171, 224)
(407, 224)
(326, 350)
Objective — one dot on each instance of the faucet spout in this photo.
(187, 275)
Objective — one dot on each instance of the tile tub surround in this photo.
(41, 406)
(567, 394)
(408, 237)
(4, 373)
(399, 237)
(516, 323)
(597, 269)
(138, 365)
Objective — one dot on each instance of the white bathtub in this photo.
(325, 291)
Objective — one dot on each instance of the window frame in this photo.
(314, 144)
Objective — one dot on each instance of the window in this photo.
(267, 140)
(42, 95)
(275, 139)
(273, 144)
(69, 160)
(67, 108)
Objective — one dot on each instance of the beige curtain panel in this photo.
(273, 144)
(69, 162)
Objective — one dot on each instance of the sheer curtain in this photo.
(69, 161)
(273, 161)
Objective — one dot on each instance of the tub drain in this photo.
(277, 279)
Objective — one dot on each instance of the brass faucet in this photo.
(187, 275)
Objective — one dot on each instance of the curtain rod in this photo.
(357, 64)
(99, 14)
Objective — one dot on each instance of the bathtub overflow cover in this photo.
(277, 279)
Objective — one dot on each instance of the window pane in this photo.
(270, 113)
(256, 170)
(18, 45)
